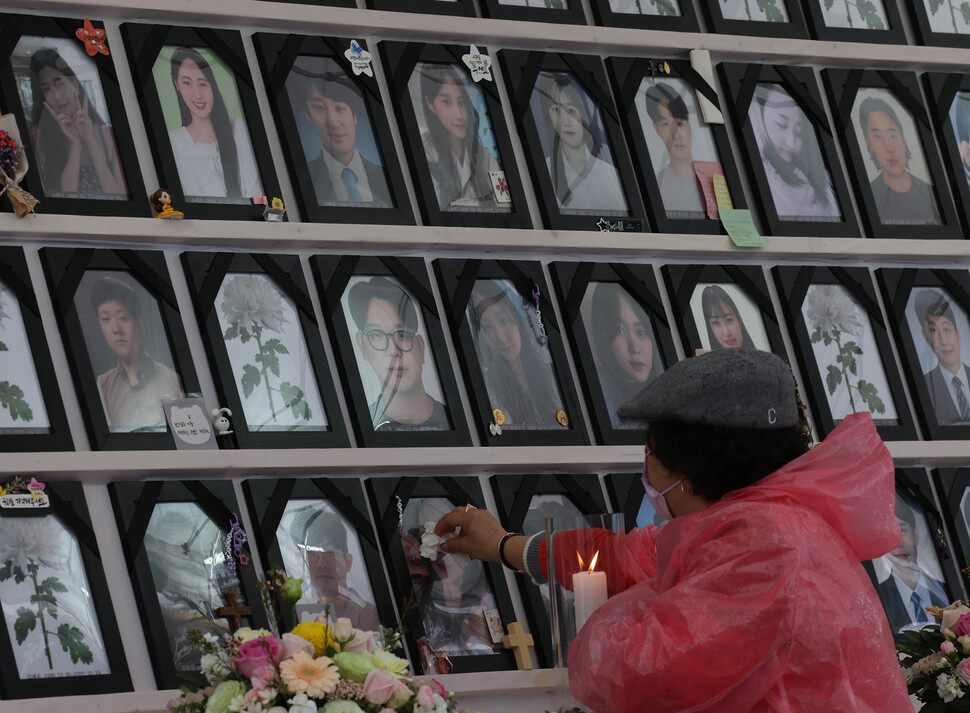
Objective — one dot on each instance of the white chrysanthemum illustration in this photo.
(833, 315)
(30, 539)
(252, 304)
(252, 301)
(832, 309)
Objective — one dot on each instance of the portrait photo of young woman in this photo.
(577, 149)
(727, 318)
(458, 139)
(206, 126)
(70, 129)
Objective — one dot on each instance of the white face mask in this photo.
(656, 498)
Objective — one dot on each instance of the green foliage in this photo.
(833, 378)
(935, 5)
(772, 12)
(829, 4)
(250, 379)
(72, 641)
(3, 347)
(294, 398)
(869, 394)
(870, 14)
(26, 622)
(965, 11)
(6, 572)
(12, 398)
(664, 7)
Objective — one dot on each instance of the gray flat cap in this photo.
(737, 388)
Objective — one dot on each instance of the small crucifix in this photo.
(233, 611)
(519, 642)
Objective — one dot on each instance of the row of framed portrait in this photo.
(645, 161)
(126, 345)
(321, 531)
(936, 22)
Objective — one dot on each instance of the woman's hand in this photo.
(479, 537)
(85, 127)
(66, 123)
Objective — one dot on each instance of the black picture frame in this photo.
(402, 59)
(794, 283)
(267, 500)
(686, 21)
(144, 43)
(462, 8)
(843, 87)
(572, 14)
(65, 268)
(15, 277)
(207, 273)
(749, 280)
(332, 275)
(513, 497)
(278, 55)
(384, 493)
(135, 204)
(893, 34)
(793, 28)
(943, 91)
(926, 35)
(741, 82)
(573, 282)
(69, 507)
(457, 279)
(913, 488)
(134, 504)
(897, 289)
(627, 75)
(951, 484)
(521, 70)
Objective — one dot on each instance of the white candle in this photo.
(589, 590)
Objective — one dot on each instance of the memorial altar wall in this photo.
(371, 344)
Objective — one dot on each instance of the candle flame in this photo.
(592, 565)
(580, 558)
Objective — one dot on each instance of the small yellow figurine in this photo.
(162, 203)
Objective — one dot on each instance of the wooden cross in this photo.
(519, 642)
(234, 611)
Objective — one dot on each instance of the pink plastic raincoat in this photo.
(758, 603)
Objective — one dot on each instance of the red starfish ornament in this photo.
(94, 40)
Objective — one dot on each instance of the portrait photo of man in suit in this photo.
(908, 588)
(947, 383)
(334, 108)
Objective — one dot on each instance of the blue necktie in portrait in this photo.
(919, 614)
(963, 404)
(350, 182)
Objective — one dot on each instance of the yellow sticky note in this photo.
(721, 193)
(740, 227)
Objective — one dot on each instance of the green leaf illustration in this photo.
(269, 361)
(18, 575)
(275, 345)
(935, 5)
(53, 584)
(72, 641)
(869, 394)
(12, 398)
(870, 14)
(43, 600)
(231, 332)
(293, 397)
(965, 11)
(772, 12)
(250, 379)
(816, 335)
(665, 7)
(848, 361)
(3, 347)
(834, 378)
(6, 572)
(829, 4)
(25, 623)
(851, 348)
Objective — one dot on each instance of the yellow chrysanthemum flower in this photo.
(317, 633)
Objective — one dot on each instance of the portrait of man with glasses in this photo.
(402, 388)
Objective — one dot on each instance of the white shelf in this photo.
(345, 22)
(96, 231)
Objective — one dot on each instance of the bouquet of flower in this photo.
(13, 167)
(936, 660)
(315, 667)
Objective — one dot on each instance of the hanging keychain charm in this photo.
(543, 338)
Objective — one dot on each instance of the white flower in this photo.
(832, 308)
(238, 705)
(301, 703)
(343, 629)
(948, 687)
(252, 300)
(214, 667)
(37, 539)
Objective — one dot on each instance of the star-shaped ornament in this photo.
(479, 64)
(359, 59)
(95, 41)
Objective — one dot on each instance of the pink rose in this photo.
(947, 647)
(379, 686)
(425, 697)
(963, 668)
(962, 626)
(257, 655)
(362, 643)
(291, 644)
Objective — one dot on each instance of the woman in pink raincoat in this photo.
(753, 597)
